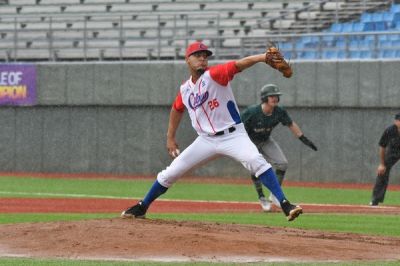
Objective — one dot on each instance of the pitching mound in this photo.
(160, 240)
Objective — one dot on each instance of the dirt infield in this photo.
(73, 205)
(161, 240)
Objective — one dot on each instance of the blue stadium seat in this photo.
(396, 18)
(299, 45)
(380, 26)
(340, 44)
(355, 54)
(388, 18)
(335, 54)
(287, 53)
(308, 55)
(368, 26)
(383, 37)
(353, 44)
(336, 27)
(395, 8)
(308, 39)
(327, 44)
(366, 17)
(398, 54)
(358, 26)
(328, 38)
(347, 27)
(377, 17)
(371, 37)
(385, 43)
(364, 44)
(341, 54)
(389, 37)
(328, 54)
(366, 54)
(285, 45)
(394, 37)
(387, 53)
(395, 44)
(359, 46)
(310, 44)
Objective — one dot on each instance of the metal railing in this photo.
(294, 46)
(161, 36)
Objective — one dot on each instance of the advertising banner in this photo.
(17, 84)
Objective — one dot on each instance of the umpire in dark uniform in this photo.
(389, 154)
(259, 121)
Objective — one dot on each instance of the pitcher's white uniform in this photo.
(215, 117)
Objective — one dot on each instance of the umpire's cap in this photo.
(397, 116)
(197, 47)
(269, 90)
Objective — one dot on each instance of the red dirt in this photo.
(161, 240)
(137, 239)
(69, 205)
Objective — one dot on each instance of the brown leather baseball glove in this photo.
(274, 58)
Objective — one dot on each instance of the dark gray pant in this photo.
(381, 183)
(273, 153)
(275, 156)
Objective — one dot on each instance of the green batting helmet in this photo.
(269, 90)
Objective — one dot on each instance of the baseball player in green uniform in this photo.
(259, 121)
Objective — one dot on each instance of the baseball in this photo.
(175, 153)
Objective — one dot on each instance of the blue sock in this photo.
(155, 191)
(268, 178)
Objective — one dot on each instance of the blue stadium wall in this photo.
(112, 118)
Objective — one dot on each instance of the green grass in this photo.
(32, 187)
(45, 187)
(11, 218)
(42, 262)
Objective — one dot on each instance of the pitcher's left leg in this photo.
(239, 147)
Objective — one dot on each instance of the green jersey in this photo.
(259, 125)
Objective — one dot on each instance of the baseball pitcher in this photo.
(207, 96)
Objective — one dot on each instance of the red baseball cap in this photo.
(197, 47)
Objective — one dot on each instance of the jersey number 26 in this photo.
(213, 104)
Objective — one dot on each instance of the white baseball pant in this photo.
(236, 145)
